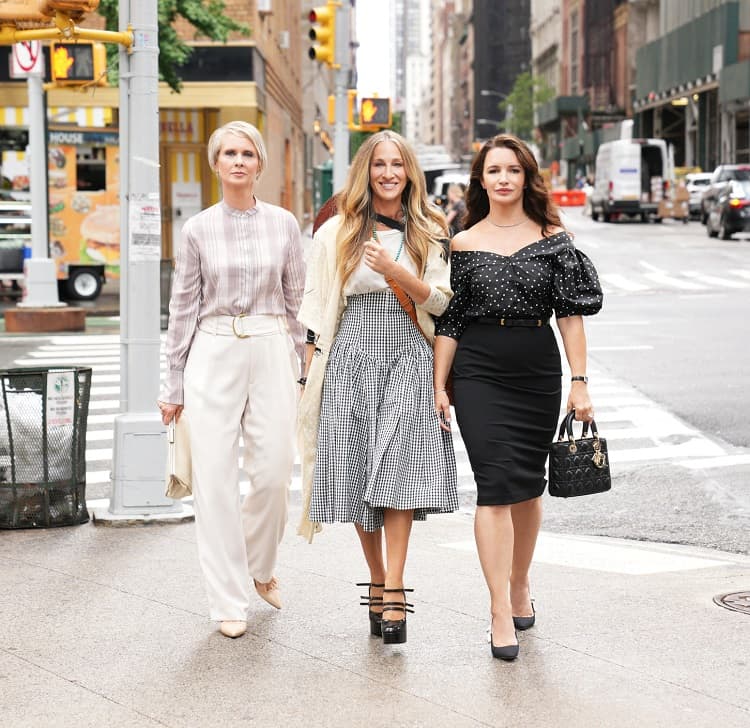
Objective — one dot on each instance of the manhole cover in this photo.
(736, 601)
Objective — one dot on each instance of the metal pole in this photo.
(341, 83)
(41, 276)
(140, 441)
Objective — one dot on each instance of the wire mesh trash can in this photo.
(43, 413)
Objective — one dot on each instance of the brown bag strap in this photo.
(407, 304)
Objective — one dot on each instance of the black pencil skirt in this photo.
(507, 389)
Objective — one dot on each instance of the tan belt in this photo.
(243, 325)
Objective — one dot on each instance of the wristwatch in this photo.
(580, 378)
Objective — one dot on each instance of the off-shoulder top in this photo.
(546, 276)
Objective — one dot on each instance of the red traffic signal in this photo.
(323, 34)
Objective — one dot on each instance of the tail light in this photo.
(611, 190)
(665, 186)
(734, 202)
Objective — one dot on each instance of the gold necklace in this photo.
(515, 224)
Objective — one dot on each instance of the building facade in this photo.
(256, 79)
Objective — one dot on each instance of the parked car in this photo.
(730, 213)
(723, 174)
(696, 183)
(442, 182)
(632, 177)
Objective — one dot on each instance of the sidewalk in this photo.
(107, 626)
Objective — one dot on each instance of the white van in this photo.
(632, 177)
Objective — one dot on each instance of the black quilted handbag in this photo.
(578, 467)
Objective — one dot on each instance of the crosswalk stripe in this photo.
(715, 280)
(741, 273)
(668, 280)
(621, 281)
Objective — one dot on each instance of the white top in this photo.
(365, 279)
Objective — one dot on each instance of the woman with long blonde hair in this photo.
(373, 451)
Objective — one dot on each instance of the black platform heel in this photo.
(369, 601)
(394, 630)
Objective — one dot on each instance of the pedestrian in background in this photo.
(456, 208)
(232, 365)
(373, 452)
(513, 267)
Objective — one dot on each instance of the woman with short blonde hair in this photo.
(232, 366)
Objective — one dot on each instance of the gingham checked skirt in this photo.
(379, 441)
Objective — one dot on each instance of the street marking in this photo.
(599, 553)
(632, 347)
(715, 280)
(675, 282)
(741, 273)
(650, 266)
(620, 281)
(725, 461)
(95, 404)
(98, 454)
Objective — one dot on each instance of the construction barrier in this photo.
(569, 198)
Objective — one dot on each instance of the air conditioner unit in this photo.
(264, 7)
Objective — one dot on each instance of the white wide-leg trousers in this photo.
(240, 377)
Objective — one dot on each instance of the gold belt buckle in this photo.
(234, 328)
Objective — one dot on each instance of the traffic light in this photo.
(323, 34)
(78, 64)
(74, 9)
(375, 113)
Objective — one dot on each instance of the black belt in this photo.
(532, 323)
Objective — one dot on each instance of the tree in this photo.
(528, 93)
(206, 16)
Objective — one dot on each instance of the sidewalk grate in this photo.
(736, 601)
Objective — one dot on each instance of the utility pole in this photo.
(40, 271)
(341, 86)
(139, 437)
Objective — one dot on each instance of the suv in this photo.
(721, 177)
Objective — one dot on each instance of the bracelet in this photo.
(580, 378)
(438, 391)
(302, 381)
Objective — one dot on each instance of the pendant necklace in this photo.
(512, 225)
(400, 245)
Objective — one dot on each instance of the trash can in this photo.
(43, 414)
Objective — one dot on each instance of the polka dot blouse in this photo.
(547, 276)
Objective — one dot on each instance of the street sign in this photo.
(375, 112)
(27, 59)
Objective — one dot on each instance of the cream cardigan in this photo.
(322, 306)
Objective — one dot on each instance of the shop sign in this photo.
(100, 138)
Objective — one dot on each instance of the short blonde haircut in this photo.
(241, 129)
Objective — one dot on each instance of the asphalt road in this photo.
(671, 341)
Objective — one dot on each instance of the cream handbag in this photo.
(179, 464)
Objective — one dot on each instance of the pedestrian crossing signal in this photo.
(375, 113)
(79, 63)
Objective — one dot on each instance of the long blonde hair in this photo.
(425, 225)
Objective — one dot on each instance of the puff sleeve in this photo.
(453, 322)
(576, 290)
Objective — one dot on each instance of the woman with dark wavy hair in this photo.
(512, 267)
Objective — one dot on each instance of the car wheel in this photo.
(724, 232)
(83, 285)
(607, 217)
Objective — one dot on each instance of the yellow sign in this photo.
(375, 112)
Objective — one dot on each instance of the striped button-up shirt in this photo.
(232, 262)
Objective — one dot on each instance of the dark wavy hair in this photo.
(537, 203)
